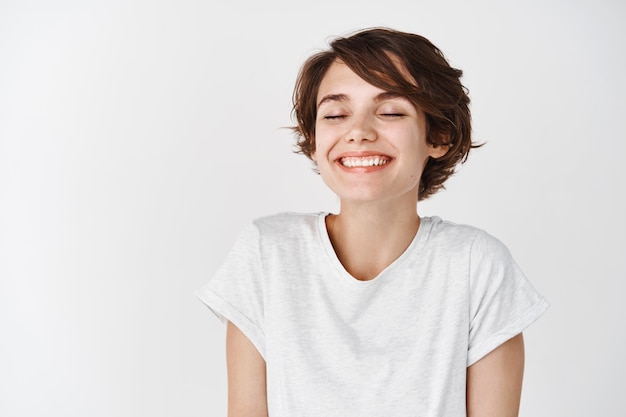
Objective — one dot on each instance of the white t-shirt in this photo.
(397, 345)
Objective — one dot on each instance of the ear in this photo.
(437, 151)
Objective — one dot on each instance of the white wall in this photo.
(137, 137)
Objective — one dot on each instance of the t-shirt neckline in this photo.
(414, 247)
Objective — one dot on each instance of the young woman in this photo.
(375, 311)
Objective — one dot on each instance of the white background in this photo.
(138, 137)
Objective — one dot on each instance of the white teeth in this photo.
(351, 162)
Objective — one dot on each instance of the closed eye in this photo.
(337, 117)
(392, 115)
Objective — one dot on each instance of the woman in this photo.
(375, 311)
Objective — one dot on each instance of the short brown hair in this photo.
(435, 88)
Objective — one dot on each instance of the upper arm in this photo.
(247, 394)
(494, 383)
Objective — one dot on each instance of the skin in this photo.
(247, 393)
(358, 121)
(494, 383)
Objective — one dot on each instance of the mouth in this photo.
(364, 161)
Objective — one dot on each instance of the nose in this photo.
(362, 129)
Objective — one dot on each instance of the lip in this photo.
(363, 154)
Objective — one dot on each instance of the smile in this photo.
(364, 161)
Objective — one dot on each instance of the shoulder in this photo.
(455, 236)
(267, 238)
(448, 233)
(286, 226)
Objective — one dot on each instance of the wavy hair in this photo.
(406, 64)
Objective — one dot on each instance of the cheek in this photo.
(416, 140)
(321, 142)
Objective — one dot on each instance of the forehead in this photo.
(340, 76)
(340, 79)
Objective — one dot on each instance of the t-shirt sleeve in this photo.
(502, 300)
(235, 292)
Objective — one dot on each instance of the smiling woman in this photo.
(376, 137)
(375, 310)
(402, 67)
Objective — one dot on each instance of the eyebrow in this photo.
(385, 95)
(332, 97)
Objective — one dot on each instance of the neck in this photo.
(369, 237)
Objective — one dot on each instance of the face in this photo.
(370, 144)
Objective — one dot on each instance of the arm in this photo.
(494, 383)
(247, 396)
